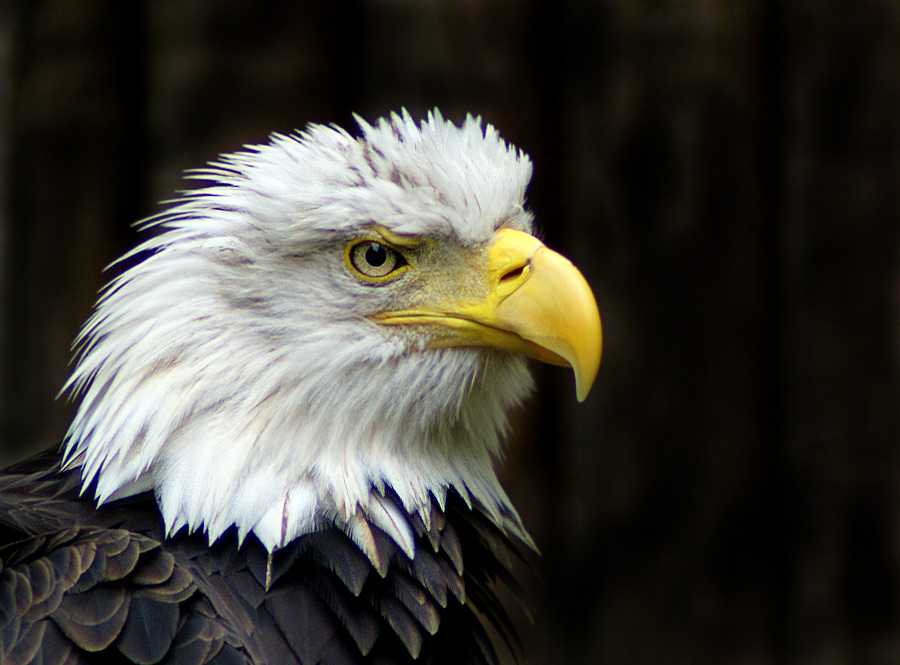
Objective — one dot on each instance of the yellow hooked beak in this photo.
(537, 304)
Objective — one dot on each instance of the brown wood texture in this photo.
(725, 173)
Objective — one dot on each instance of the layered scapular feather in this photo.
(233, 370)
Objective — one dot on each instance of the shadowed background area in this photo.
(727, 176)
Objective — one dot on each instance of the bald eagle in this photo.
(288, 412)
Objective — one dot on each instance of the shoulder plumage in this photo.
(71, 592)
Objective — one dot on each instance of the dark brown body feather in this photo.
(86, 585)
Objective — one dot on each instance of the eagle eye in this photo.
(374, 262)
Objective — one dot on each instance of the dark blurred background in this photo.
(727, 174)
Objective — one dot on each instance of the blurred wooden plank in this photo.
(8, 34)
(843, 250)
(63, 183)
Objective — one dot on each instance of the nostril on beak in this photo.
(514, 273)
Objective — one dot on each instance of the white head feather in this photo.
(235, 373)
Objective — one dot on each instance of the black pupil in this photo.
(376, 255)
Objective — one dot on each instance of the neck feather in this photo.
(281, 454)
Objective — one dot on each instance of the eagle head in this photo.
(327, 318)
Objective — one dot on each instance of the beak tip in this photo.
(586, 374)
(583, 387)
